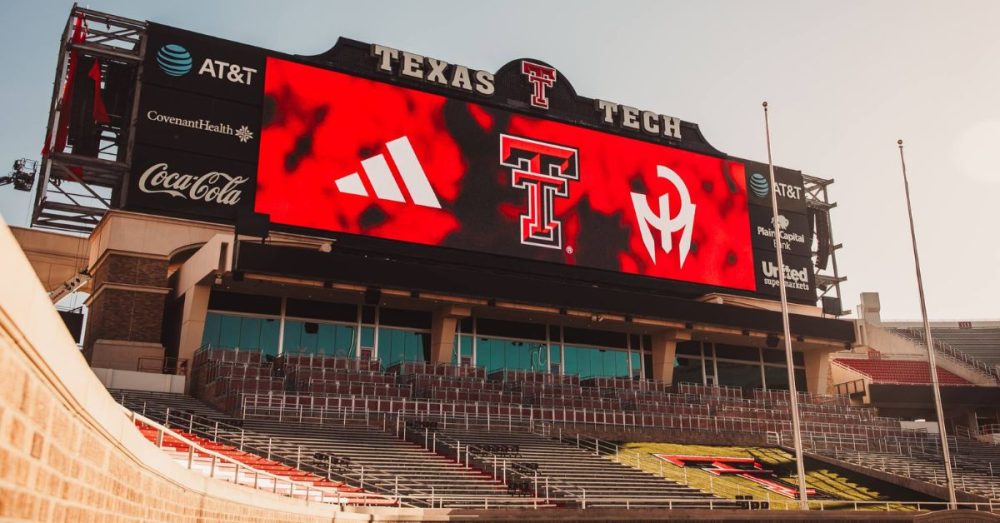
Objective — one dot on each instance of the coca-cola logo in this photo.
(211, 187)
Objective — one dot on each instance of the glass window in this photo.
(589, 362)
(269, 336)
(213, 322)
(396, 345)
(555, 358)
(690, 348)
(229, 332)
(800, 380)
(733, 352)
(344, 341)
(777, 377)
(732, 374)
(687, 370)
(367, 336)
(249, 333)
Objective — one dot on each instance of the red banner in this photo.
(346, 154)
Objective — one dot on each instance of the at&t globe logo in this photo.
(758, 185)
(174, 60)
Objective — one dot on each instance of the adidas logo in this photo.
(384, 183)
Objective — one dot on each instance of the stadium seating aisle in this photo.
(390, 461)
(576, 473)
(975, 348)
(982, 344)
(362, 454)
(321, 489)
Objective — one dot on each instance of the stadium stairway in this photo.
(575, 474)
(321, 489)
(354, 453)
(419, 474)
(973, 473)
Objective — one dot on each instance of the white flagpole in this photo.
(793, 397)
(931, 360)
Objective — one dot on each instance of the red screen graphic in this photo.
(350, 155)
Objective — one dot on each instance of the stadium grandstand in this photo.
(372, 285)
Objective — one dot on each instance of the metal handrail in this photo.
(949, 350)
(476, 455)
(237, 437)
(370, 479)
(285, 405)
(241, 468)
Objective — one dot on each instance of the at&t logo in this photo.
(758, 185)
(175, 60)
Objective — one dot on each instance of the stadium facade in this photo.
(398, 241)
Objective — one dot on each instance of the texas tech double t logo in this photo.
(541, 77)
(545, 170)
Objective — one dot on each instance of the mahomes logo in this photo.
(174, 60)
(684, 221)
(759, 185)
(545, 170)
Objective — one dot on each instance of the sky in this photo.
(844, 80)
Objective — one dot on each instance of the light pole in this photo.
(931, 360)
(793, 400)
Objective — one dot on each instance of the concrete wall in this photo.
(54, 257)
(134, 380)
(68, 452)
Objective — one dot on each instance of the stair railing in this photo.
(241, 470)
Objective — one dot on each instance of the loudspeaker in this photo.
(832, 306)
(250, 223)
(823, 243)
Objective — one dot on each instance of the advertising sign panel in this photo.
(407, 165)
(375, 142)
(795, 230)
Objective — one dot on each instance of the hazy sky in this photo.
(844, 80)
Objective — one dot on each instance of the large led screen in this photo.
(345, 154)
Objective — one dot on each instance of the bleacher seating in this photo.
(514, 397)
(982, 344)
(900, 371)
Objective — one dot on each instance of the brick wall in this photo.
(69, 453)
(128, 302)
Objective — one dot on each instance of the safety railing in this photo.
(320, 409)
(243, 474)
(164, 365)
(406, 491)
(917, 336)
(371, 480)
(540, 489)
(851, 387)
(250, 442)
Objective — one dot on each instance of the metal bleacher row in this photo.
(245, 384)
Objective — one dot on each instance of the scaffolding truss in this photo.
(76, 187)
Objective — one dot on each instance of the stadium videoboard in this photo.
(369, 141)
